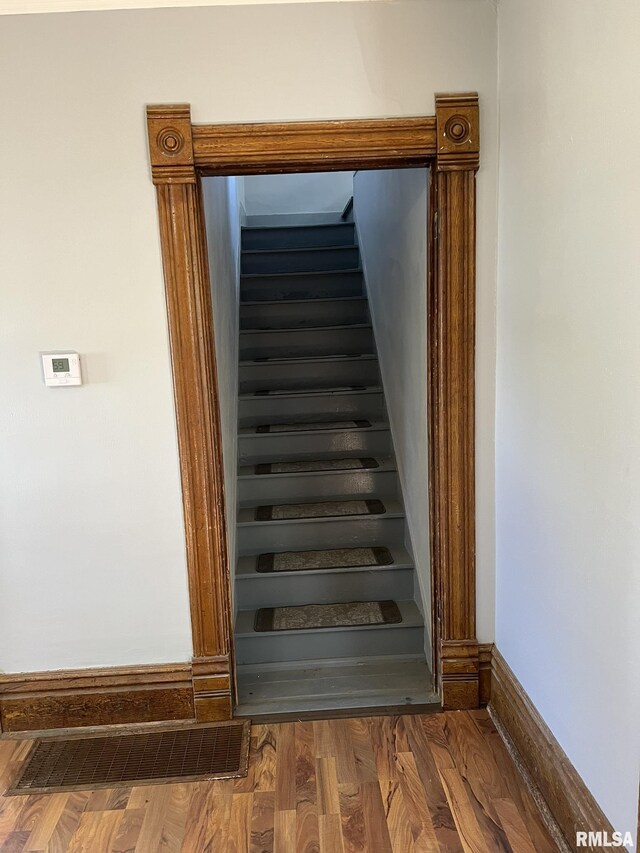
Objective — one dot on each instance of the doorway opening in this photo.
(320, 314)
(182, 155)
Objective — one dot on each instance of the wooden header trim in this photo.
(243, 149)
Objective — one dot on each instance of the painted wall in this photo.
(22, 7)
(312, 192)
(568, 408)
(222, 217)
(390, 210)
(90, 507)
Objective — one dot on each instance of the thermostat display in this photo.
(61, 368)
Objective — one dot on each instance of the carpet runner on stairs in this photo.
(305, 466)
(321, 509)
(342, 615)
(306, 427)
(298, 561)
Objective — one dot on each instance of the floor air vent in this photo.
(217, 751)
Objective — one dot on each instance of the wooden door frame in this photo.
(181, 153)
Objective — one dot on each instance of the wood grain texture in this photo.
(452, 399)
(190, 319)
(96, 697)
(406, 784)
(244, 149)
(485, 651)
(567, 797)
(448, 142)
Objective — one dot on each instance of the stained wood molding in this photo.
(195, 381)
(485, 655)
(242, 149)
(567, 797)
(95, 697)
(196, 691)
(180, 154)
(452, 397)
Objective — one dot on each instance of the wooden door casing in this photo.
(448, 143)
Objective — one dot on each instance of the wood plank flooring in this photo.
(405, 784)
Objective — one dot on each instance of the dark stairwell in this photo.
(327, 617)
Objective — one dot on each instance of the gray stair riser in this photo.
(324, 374)
(310, 312)
(310, 487)
(277, 645)
(256, 288)
(300, 237)
(306, 342)
(366, 530)
(300, 260)
(318, 445)
(281, 589)
(253, 411)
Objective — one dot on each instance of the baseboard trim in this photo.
(113, 696)
(485, 654)
(568, 799)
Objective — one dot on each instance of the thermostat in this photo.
(61, 368)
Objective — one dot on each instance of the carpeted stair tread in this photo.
(318, 509)
(310, 465)
(296, 561)
(285, 392)
(314, 425)
(317, 616)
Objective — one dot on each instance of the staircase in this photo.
(321, 523)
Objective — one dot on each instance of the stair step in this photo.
(354, 505)
(403, 638)
(278, 375)
(304, 313)
(364, 476)
(321, 685)
(299, 534)
(312, 341)
(323, 585)
(298, 236)
(319, 284)
(255, 448)
(272, 471)
(311, 406)
(326, 258)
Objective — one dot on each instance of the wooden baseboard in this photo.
(485, 653)
(569, 801)
(37, 701)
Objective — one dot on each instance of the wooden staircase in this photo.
(317, 483)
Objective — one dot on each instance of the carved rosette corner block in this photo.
(457, 132)
(171, 144)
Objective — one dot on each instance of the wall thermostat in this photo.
(61, 368)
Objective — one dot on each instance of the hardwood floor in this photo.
(408, 784)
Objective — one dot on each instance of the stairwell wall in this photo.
(222, 207)
(102, 581)
(308, 192)
(390, 209)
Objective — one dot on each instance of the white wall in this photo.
(311, 192)
(222, 217)
(90, 509)
(568, 404)
(390, 209)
